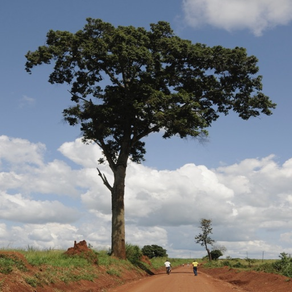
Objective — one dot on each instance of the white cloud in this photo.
(26, 101)
(174, 197)
(146, 236)
(255, 15)
(20, 209)
(74, 151)
(50, 204)
(17, 152)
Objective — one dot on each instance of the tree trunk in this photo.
(209, 254)
(118, 213)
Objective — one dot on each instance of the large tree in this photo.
(128, 82)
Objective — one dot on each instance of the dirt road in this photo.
(181, 279)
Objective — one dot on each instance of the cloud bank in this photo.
(49, 204)
(254, 15)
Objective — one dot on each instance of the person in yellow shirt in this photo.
(195, 267)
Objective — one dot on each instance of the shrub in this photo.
(216, 254)
(133, 253)
(227, 263)
(284, 265)
(238, 265)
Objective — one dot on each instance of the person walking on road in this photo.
(195, 267)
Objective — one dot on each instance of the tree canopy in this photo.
(154, 251)
(153, 80)
(127, 82)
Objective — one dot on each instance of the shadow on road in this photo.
(144, 268)
(174, 272)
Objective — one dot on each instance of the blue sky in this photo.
(50, 193)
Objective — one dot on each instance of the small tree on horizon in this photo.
(204, 238)
(128, 82)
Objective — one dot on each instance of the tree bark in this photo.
(118, 213)
(209, 254)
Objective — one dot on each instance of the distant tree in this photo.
(203, 238)
(216, 254)
(217, 251)
(127, 83)
(154, 251)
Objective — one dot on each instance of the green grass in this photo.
(113, 272)
(54, 258)
(54, 266)
(282, 266)
(7, 262)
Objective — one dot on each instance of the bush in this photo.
(133, 253)
(284, 265)
(226, 264)
(216, 254)
(238, 265)
(266, 267)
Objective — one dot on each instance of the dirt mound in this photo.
(251, 280)
(81, 249)
(78, 248)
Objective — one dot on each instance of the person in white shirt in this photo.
(167, 266)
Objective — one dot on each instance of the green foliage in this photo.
(31, 281)
(203, 238)
(57, 258)
(133, 253)
(216, 254)
(104, 258)
(284, 265)
(226, 263)
(153, 251)
(90, 256)
(156, 80)
(238, 265)
(113, 272)
(250, 261)
(266, 267)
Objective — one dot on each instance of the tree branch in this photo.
(104, 179)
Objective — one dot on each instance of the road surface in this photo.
(181, 279)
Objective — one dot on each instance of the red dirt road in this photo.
(181, 279)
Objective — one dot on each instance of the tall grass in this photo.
(282, 266)
(55, 258)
